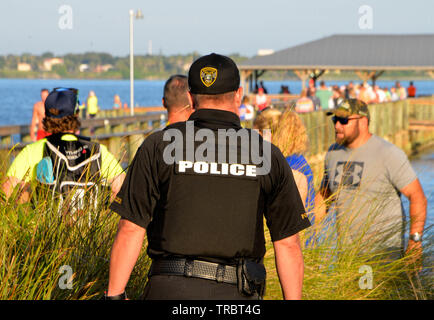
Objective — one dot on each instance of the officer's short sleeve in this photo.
(284, 212)
(139, 193)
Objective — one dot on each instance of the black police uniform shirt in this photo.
(214, 217)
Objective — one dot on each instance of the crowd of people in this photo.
(204, 218)
(325, 97)
(329, 96)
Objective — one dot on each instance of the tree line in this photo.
(95, 65)
(99, 65)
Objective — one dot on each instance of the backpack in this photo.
(71, 171)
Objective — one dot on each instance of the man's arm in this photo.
(290, 266)
(418, 207)
(124, 254)
(24, 189)
(116, 184)
(301, 182)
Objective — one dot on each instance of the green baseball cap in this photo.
(350, 106)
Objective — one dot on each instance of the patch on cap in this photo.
(208, 76)
(213, 74)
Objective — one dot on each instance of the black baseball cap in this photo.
(213, 74)
(61, 102)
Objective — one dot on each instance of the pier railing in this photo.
(121, 134)
(408, 123)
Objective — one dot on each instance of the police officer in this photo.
(199, 191)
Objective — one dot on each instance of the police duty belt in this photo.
(195, 269)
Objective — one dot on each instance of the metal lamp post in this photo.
(138, 15)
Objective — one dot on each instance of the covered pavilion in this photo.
(368, 55)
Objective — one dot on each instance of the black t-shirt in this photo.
(209, 209)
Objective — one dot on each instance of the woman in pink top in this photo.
(304, 104)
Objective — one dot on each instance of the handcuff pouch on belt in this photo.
(251, 278)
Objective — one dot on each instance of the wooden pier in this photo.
(120, 132)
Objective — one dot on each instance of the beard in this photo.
(346, 139)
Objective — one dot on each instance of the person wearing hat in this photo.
(62, 123)
(364, 177)
(202, 206)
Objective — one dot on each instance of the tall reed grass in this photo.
(39, 246)
(36, 243)
(341, 264)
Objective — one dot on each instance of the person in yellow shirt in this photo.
(92, 105)
(62, 149)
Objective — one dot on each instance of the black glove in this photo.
(122, 296)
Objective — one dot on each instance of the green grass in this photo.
(36, 242)
(335, 269)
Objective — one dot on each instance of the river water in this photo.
(424, 167)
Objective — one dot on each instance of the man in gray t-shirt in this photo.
(365, 176)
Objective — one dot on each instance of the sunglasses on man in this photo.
(342, 120)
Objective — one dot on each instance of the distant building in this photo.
(103, 68)
(265, 52)
(50, 62)
(186, 66)
(22, 66)
(83, 67)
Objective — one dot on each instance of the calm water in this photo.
(17, 97)
(424, 167)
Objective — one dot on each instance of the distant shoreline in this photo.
(27, 76)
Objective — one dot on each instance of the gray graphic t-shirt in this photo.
(366, 181)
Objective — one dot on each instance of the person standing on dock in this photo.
(92, 105)
(324, 94)
(38, 115)
(262, 101)
(411, 90)
(364, 178)
(117, 103)
(304, 104)
(176, 99)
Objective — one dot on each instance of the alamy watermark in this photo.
(366, 19)
(225, 152)
(65, 281)
(66, 18)
(367, 280)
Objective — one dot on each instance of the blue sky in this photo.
(223, 26)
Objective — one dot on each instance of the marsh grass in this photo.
(35, 242)
(337, 264)
(37, 239)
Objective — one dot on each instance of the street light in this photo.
(138, 15)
